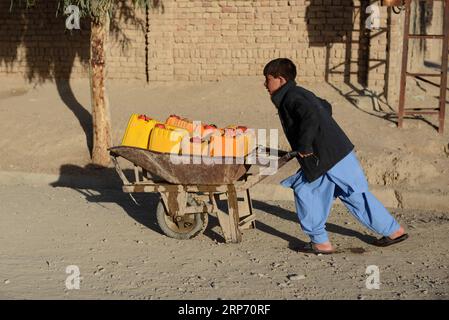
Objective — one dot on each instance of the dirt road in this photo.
(121, 254)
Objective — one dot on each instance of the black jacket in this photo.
(309, 127)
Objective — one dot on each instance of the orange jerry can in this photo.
(250, 137)
(184, 123)
(232, 143)
(179, 122)
(391, 3)
(166, 140)
(209, 130)
(138, 131)
(237, 141)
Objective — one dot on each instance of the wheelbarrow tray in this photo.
(187, 169)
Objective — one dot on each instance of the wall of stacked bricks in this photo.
(209, 40)
(34, 44)
(202, 40)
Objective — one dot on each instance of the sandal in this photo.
(310, 248)
(387, 241)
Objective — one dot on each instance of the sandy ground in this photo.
(122, 255)
(119, 248)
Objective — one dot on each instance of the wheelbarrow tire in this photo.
(196, 224)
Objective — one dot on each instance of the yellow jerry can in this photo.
(166, 140)
(138, 131)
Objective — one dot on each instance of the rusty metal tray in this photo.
(186, 170)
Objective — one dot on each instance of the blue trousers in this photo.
(346, 181)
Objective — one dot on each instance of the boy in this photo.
(329, 167)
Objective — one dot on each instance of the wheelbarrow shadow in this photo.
(291, 216)
(103, 186)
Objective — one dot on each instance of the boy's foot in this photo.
(325, 246)
(397, 234)
(393, 238)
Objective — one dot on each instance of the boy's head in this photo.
(277, 72)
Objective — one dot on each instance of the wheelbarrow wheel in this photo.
(187, 227)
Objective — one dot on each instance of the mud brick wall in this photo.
(201, 40)
(34, 44)
(209, 40)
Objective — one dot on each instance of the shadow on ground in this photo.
(103, 186)
(291, 216)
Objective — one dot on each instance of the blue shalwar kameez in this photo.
(346, 181)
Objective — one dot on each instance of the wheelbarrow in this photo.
(189, 188)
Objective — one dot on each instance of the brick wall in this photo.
(208, 40)
(201, 40)
(34, 44)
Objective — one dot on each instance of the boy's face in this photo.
(273, 83)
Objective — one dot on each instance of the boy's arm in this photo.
(307, 113)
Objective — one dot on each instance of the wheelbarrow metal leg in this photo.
(119, 170)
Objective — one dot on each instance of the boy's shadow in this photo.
(222, 205)
(291, 216)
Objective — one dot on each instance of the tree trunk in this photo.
(101, 118)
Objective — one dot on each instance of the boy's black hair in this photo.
(280, 67)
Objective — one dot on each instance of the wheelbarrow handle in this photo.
(284, 156)
(292, 154)
(269, 150)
